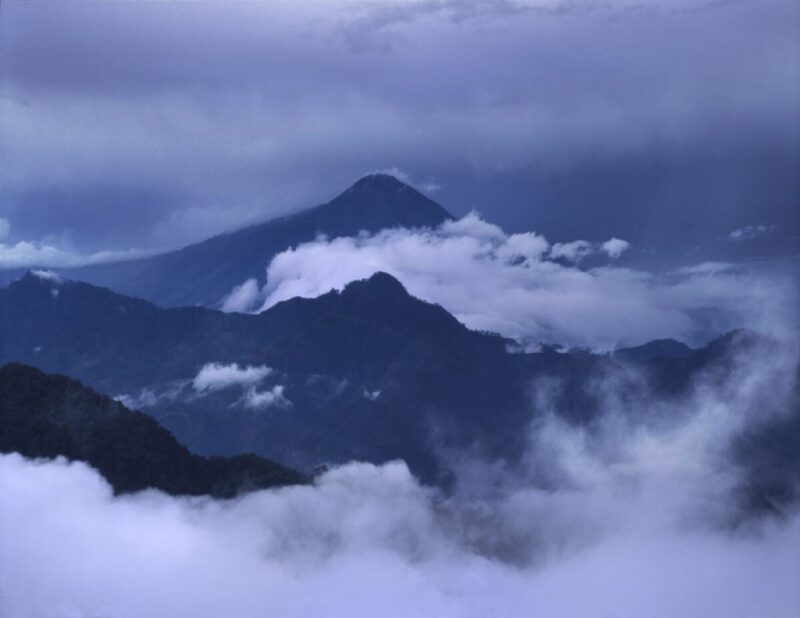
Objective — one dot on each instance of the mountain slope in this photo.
(202, 274)
(48, 416)
(368, 373)
(667, 349)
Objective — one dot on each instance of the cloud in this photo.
(615, 247)
(632, 515)
(48, 275)
(573, 251)
(27, 254)
(578, 250)
(428, 186)
(150, 397)
(209, 380)
(217, 376)
(511, 284)
(147, 398)
(472, 225)
(221, 135)
(242, 297)
(214, 377)
(751, 232)
(371, 395)
(254, 399)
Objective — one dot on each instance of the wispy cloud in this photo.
(751, 232)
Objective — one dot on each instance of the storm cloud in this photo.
(580, 119)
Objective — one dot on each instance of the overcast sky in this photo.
(671, 124)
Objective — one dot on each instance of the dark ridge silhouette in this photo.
(368, 373)
(47, 416)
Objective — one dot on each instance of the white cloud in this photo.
(216, 376)
(751, 232)
(527, 246)
(615, 247)
(577, 250)
(147, 398)
(472, 225)
(198, 132)
(371, 395)
(706, 268)
(510, 284)
(397, 173)
(241, 297)
(212, 378)
(150, 397)
(573, 251)
(630, 518)
(48, 275)
(430, 186)
(254, 399)
(26, 254)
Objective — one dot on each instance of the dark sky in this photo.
(154, 124)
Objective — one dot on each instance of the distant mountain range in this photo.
(51, 416)
(202, 274)
(368, 373)
(365, 372)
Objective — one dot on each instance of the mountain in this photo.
(49, 416)
(365, 372)
(202, 274)
(369, 372)
(668, 349)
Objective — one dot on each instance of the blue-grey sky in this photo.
(153, 124)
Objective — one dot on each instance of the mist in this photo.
(638, 512)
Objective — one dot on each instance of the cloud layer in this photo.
(41, 254)
(187, 119)
(634, 516)
(523, 287)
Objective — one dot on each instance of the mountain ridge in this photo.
(368, 373)
(203, 273)
(48, 416)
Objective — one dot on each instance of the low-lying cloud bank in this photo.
(366, 541)
(523, 287)
(26, 254)
(634, 515)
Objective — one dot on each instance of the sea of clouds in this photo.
(637, 514)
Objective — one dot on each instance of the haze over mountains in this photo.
(578, 293)
(378, 422)
(369, 373)
(542, 360)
